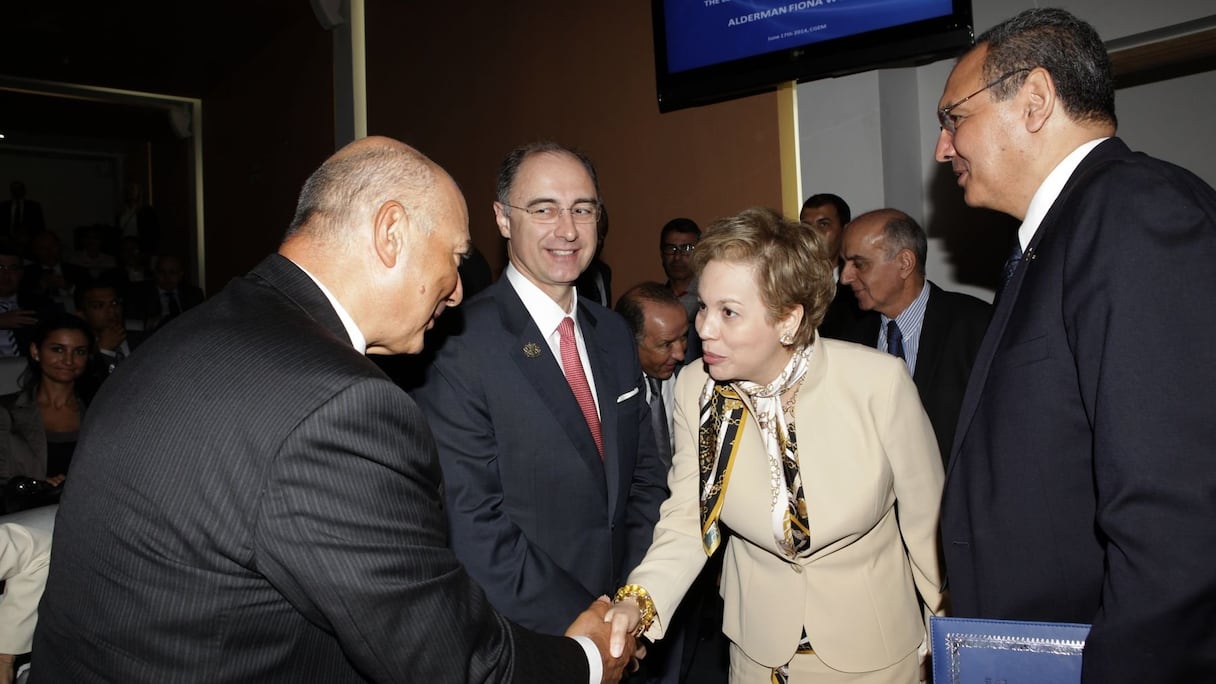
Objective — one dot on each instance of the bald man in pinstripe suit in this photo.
(254, 501)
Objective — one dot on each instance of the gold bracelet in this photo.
(645, 605)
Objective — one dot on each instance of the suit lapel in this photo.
(283, 275)
(1009, 296)
(601, 369)
(932, 334)
(531, 354)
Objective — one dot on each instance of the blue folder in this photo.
(974, 651)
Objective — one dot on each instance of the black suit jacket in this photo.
(144, 301)
(32, 219)
(272, 518)
(950, 336)
(538, 519)
(842, 316)
(1082, 486)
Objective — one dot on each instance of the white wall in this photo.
(870, 137)
(74, 188)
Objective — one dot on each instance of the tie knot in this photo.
(656, 386)
(893, 332)
(565, 330)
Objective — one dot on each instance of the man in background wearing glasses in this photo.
(552, 477)
(1082, 484)
(677, 242)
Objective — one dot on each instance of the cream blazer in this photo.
(864, 445)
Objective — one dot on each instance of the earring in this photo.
(787, 338)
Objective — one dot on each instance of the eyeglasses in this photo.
(11, 267)
(949, 122)
(668, 248)
(581, 213)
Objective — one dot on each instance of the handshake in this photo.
(612, 629)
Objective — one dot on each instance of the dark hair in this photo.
(630, 305)
(103, 282)
(679, 225)
(903, 232)
(1068, 48)
(792, 263)
(31, 377)
(510, 166)
(842, 207)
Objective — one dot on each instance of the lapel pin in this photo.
(531, 350)
(1031, 255)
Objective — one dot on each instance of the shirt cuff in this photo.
(594, 664)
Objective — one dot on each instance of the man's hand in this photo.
(590, 623)
(17, 318)
(112, 337)
(6, 667)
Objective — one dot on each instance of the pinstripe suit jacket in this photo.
(254, 501)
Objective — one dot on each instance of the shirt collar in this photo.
(1050, 189)
(356, 336)
(912, 317)
(544, 311)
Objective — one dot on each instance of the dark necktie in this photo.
(895, 339)
(1011, 265)
(658, 419)
(175, 307)
(572, 366)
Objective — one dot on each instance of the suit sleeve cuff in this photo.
(594, 664)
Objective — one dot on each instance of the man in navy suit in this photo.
(939, 332)
(276, 516)
(552, 500)
(1082, 485)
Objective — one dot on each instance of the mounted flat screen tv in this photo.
(713, 50)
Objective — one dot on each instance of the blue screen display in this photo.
(705, 32)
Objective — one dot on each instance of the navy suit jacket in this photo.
(272, 518)
(537, 518)
(1082, 486)
(950, 336)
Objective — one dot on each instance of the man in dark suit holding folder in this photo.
(1082, 485)
(276, 516)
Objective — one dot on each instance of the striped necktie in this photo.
(8, 339)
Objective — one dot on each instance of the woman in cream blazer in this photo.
(851, 603)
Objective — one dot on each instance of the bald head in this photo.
(383, 228)
(884, 260)
(360, 177)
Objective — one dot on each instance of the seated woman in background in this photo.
(795, 451)
(39, 424)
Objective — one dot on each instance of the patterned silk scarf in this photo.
(723, 415)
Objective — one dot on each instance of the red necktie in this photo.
(573, 368)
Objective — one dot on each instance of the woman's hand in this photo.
(624, 616)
